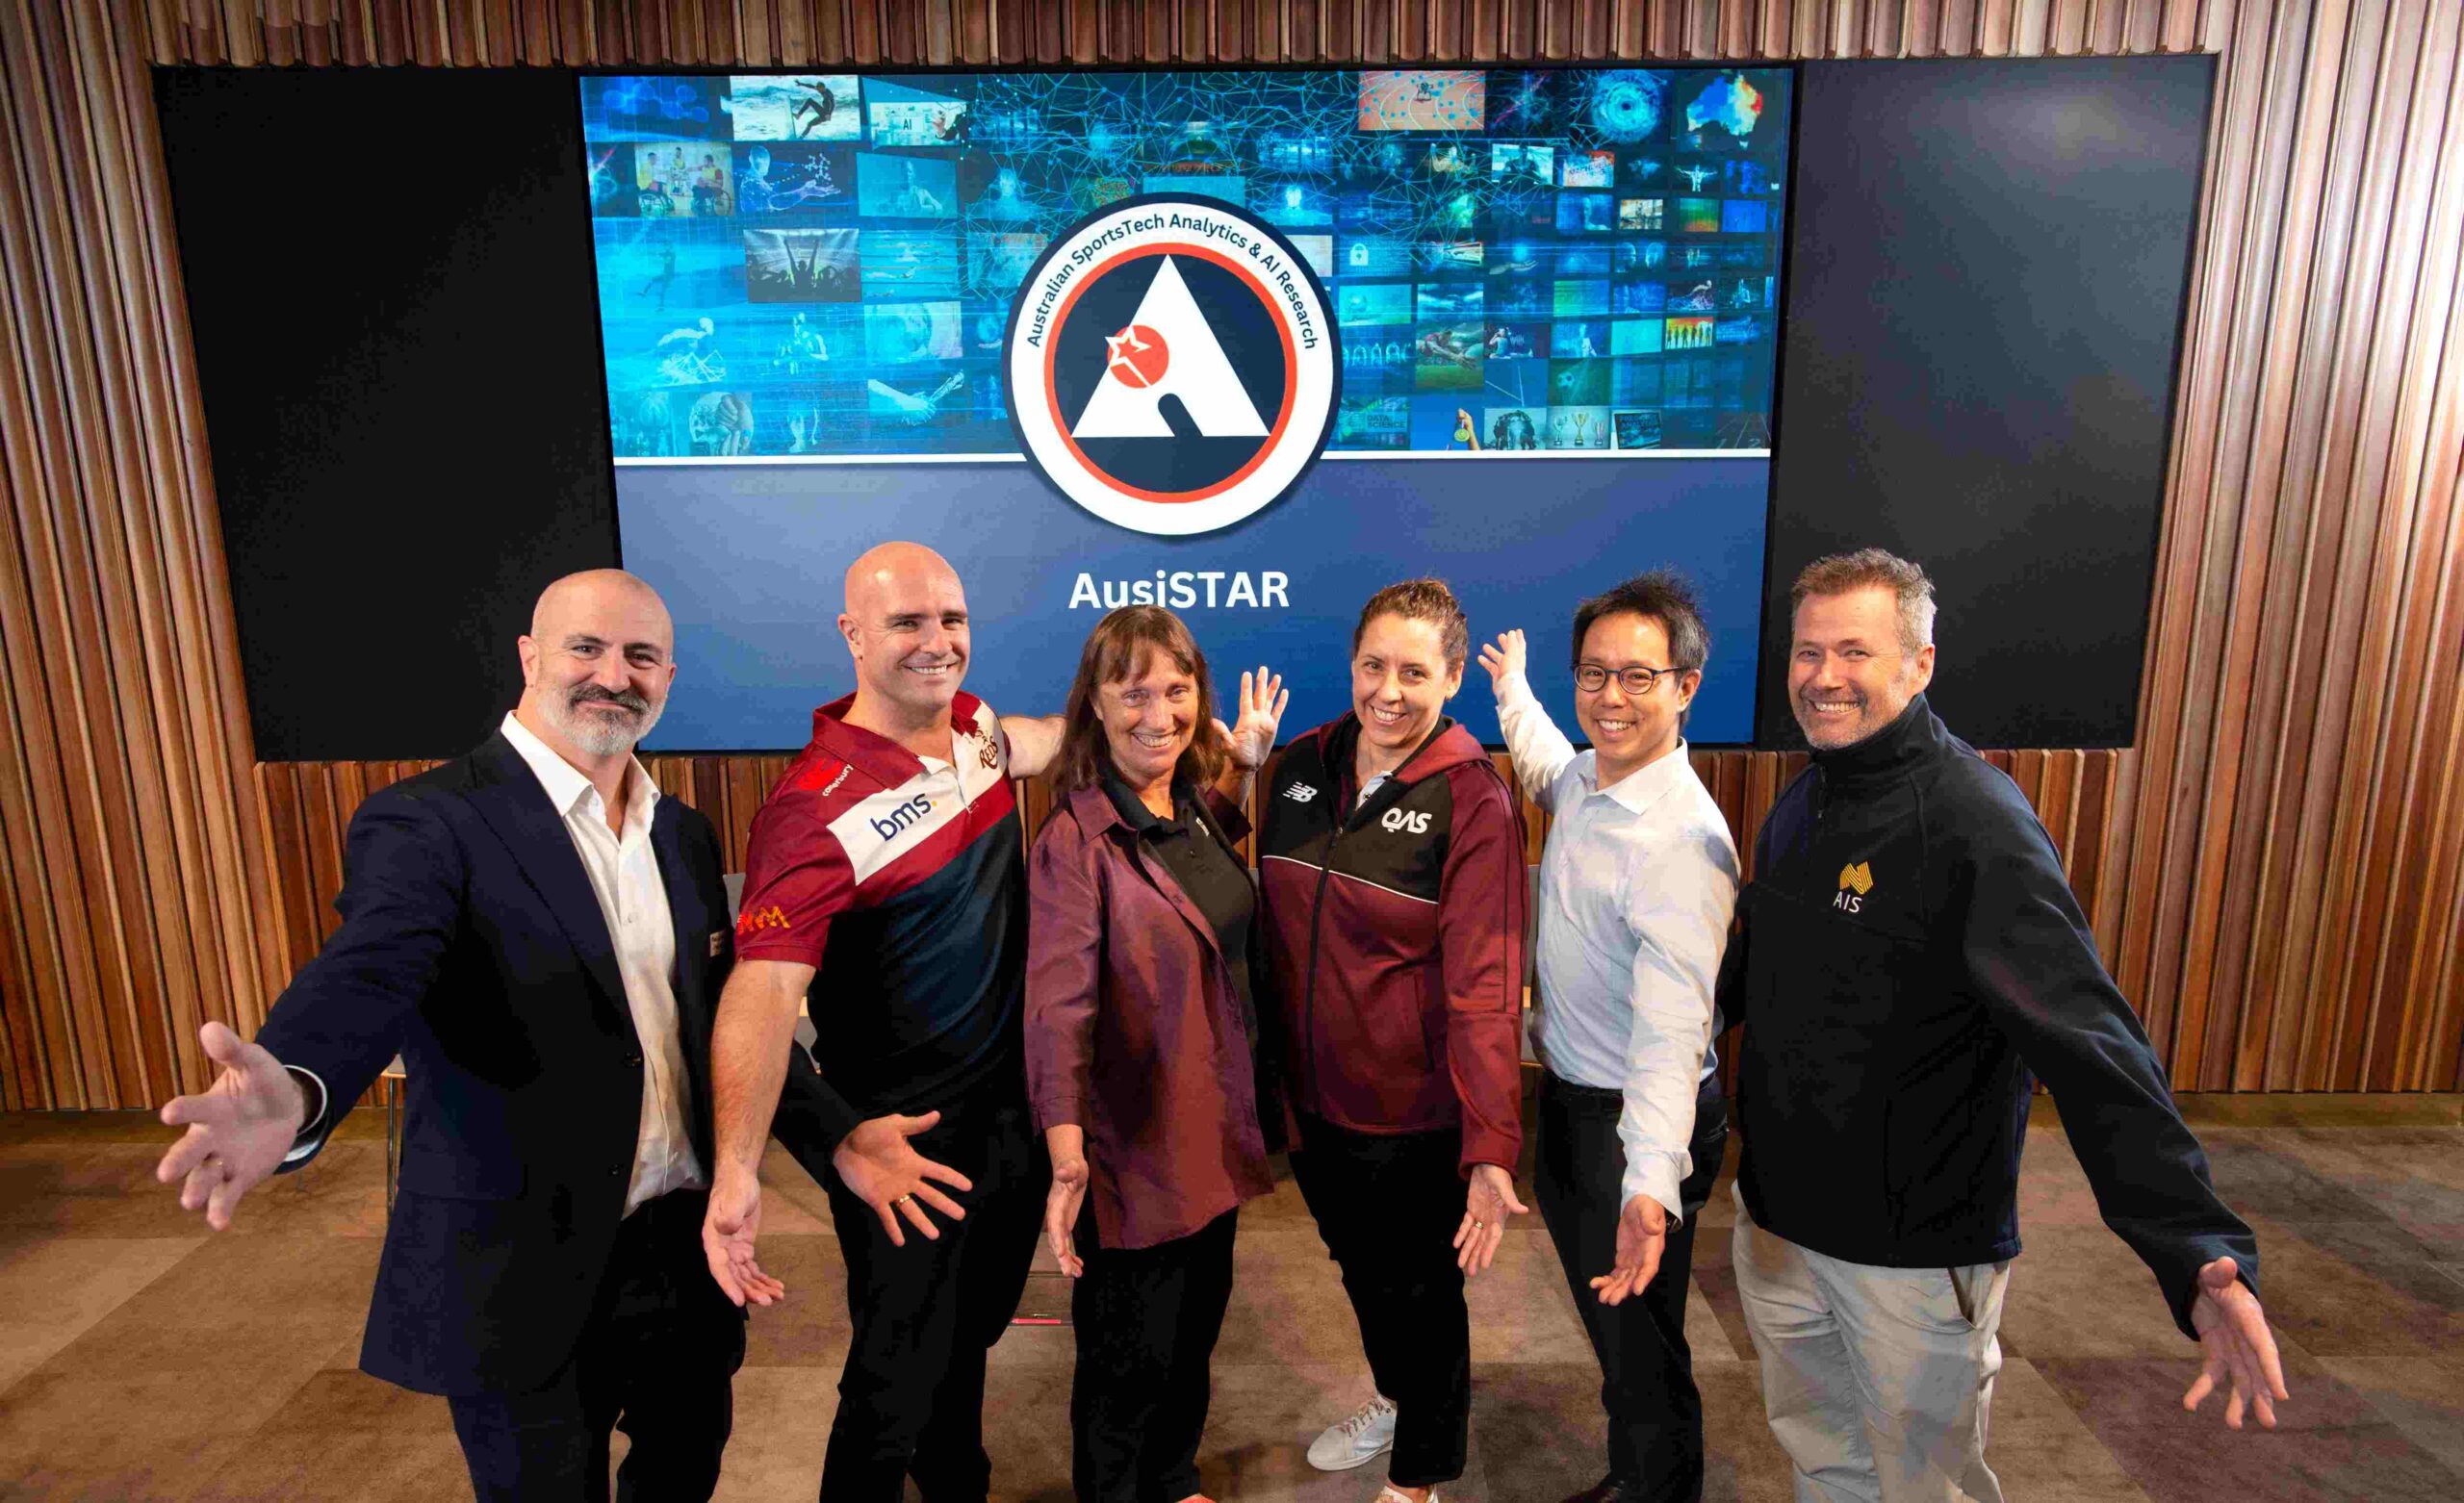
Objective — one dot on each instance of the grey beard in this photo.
(599, 738)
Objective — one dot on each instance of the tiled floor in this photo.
(141, 1359)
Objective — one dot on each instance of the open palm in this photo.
(1263, 697)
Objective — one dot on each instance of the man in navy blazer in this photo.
(543, 938)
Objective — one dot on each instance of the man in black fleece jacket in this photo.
(1908, 955)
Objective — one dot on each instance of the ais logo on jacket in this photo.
(1855, 881)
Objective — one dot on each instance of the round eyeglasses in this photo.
(1591, 677)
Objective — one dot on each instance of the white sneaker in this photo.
(1389, 1494)
(1356, 1439)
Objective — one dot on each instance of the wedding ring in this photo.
(902, 1200)
(1478, 1224)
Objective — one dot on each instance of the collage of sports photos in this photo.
(823, 266)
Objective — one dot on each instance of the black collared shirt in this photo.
(1193, 852)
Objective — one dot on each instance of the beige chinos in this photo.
(1878, 1382)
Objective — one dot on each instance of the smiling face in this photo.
(1149, 720)
(597, 664)
(1849, 672)
(1631, 730)
(905, 626)
(1400, 684)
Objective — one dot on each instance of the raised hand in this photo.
(1504, 658)
(2234, 1331)
(237, 1129)
(1642, 1235)
(876, 1162)
(729, 1230)
(1263, 697)
(1487, 1201)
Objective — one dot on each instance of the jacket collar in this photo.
(1913, 737)
(1449, 746)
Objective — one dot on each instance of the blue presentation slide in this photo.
(1083, 332)
(752, 560)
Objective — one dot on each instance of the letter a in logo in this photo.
(1172, 364)
(1168, 349)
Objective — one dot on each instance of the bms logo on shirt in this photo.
(1172, 364)
(901, 818)
(1855, 881)
(1414, 821)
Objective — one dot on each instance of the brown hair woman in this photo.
(1141, 1032)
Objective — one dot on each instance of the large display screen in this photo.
(1549, 311)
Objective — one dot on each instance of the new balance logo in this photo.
(1301, 793)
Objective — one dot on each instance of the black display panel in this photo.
(388, 281)
(1987, 265)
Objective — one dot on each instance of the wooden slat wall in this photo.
(2275, 872)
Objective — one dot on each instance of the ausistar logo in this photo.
(1172, 364)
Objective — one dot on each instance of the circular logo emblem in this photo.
(1171, 363)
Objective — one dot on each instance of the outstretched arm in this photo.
(1479, 922)
(1033, 742)
(749, 1044)
(337, 1023)
(1678, 905)
(2031, 962)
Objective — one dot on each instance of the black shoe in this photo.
(1609, 1490)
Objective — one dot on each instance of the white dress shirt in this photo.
(1637, 884)
(624, 874)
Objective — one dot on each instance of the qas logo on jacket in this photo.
(1172, 364)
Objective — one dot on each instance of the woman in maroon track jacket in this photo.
(1139, 1036)
(1391, 885)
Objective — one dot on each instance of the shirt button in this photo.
(614, 1173)
(635, 1061)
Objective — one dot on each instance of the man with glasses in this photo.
(1636, 886)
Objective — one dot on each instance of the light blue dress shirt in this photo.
(1637, 884)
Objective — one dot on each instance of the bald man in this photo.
(542, 938)
(885, 894)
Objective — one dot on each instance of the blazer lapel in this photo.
(515, 806)
(695, 1010)
(692, 941)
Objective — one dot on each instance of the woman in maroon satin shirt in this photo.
(1142, 1041)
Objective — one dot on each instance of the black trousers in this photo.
(910, 1398)
(1388, 1206)
(655, 1359)
(1146, 1320)
(1645, 1368)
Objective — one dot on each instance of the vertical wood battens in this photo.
(2273, 871)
